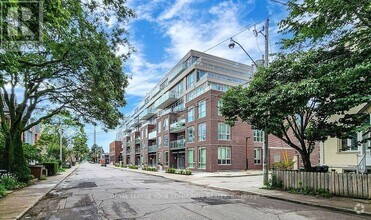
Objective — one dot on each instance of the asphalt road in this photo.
(94, 192)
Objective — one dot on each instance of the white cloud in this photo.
(175, 10)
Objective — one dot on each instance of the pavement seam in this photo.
(255, 193)
(38, 200)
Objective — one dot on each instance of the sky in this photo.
(165, 30)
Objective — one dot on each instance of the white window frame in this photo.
(224, 155)
(258, 135)
(258, 160)
(201, 135)
(191, 114)
(220, 104)
(201, 109)
(224, 134)
(189, 136)
(201, 164)
(191, 164)
(166, 158)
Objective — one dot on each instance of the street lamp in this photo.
(231, 45)
(265, 148)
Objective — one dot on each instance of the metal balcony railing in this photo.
(152, 148)
(178, 144)
(178, 126)
(152, 135)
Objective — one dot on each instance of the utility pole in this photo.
(265, 149)
(60, 141)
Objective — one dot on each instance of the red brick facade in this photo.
(115, 149)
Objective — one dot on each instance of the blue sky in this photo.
(165, 30)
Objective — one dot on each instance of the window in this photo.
(191, 114)
(257, 156)
(350, 144)
(224, 155)
(191, 161)
(258, 135)
(166, 124)
(190, 81)
(220, 104)
(202, 109)
(277, 158)
(202, 158)
(159, 157)
(190, 134)
(224, 131)
(201, 74)
(146, 132)
(159, 141)
(159, 127)
(166, 140)
(166, 158)
(202, 132)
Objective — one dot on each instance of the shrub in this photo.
(2, 191)
(62, 170)
(154, 169)
(11, 183)
(124, 166)
(117, 164)
(284, 165)
(274, 183)
(42, 177)
(170, 170)
(133, 167)
(52, 167)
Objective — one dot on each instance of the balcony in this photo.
(152, 135)
(137, 140)
(135, 123)
(166, 99)
(178, 127)
(128, 143)
(137, 150)
(178, 144)
(127, 128)
(152, 148)
(147, 113)
(127, 150)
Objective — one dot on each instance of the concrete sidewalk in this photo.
(252, 184)
(16, 204)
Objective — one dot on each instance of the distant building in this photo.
(115, 149)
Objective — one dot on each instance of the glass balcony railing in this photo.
(178, 126)
(167, 99)
(152, 135)
(147, 113)
(128, 150)
(137, 150)
(137, 140)
(178, 144)
(152, 148)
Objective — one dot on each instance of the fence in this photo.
(340, 184)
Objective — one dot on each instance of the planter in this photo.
(36, 170)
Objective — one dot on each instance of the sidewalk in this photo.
(16, 204)
(252, 184)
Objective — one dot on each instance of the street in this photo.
(94, 192)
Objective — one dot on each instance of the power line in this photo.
(216, 45)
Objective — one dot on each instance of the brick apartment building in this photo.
(115, 149)
(178, 124)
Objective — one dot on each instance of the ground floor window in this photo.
(202, 158)
(166, 158)
(224, 155)
(257, 156)
(159, 158)
(350, 144)
(191, 161)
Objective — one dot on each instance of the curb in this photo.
(38, 200)
(257, 194)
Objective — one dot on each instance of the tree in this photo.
(324, 70)
(95, 153)
(80, 147)
(76, 68)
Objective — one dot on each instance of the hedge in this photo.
(52, 168)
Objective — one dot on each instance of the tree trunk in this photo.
(306, 161)
(13, 157)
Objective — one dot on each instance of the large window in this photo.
(224, 155)
(202, 132)
(202, 109)
(190, 134)
(257, 156)
(191, 114)
(258, 135)
(159, 141)
(166, 158)
(166, 124)
(350, 144)
(159, 127)
(191, 160)
(190, 81)
(220, 104)
(166, 140)
(201, 158)
(200, 74)
(224, 131)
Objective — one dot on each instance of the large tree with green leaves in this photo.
(76, 67)
(323, 70)
(80, 146)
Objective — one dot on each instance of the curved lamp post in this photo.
(233, 43)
